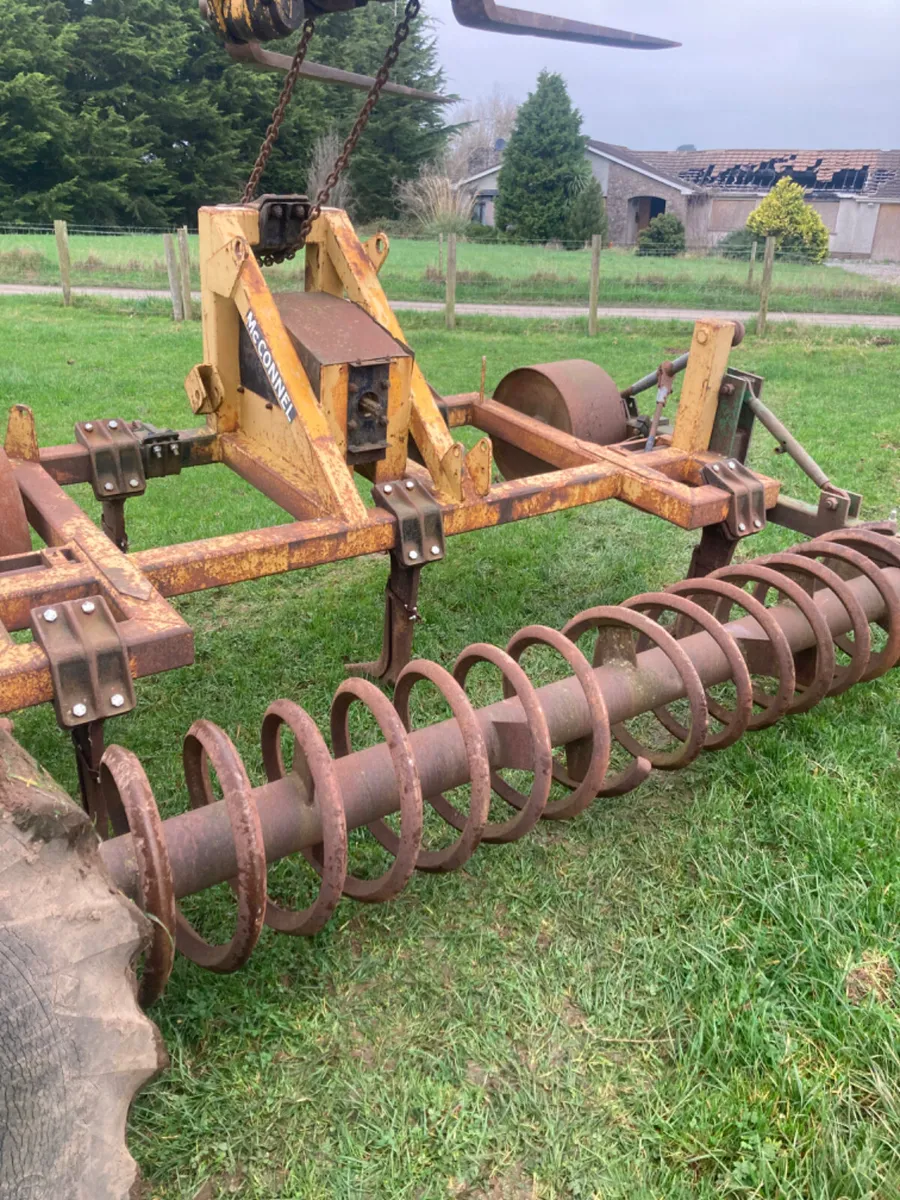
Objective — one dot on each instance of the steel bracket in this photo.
(88, 660)
(160, 450)
(280, 221)
(747, 509)
(117, 468)
(420, 523)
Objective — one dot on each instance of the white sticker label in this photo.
(264, 354)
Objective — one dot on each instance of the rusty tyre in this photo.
(74, 1045)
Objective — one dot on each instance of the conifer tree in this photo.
(543, 165)
(129, 112)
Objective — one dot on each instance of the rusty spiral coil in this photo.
(830, 562)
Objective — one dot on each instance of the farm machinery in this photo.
(316, 399)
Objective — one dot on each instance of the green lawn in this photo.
(687, 992)
(489, 273)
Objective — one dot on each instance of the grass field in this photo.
(490, 273)
(688, 992)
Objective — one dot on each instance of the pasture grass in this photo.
(495, 273)
(689, 992)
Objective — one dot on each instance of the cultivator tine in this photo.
(651, 652)
(498, 18)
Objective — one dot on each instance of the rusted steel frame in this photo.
(68, 464)
(158, 638)
(25, 672)
(665, 482)
(216, 562)
(35, 585)
(200, 842)
(235, 557)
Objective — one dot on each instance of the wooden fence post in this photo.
(765, 289)
(174, 283)
(595, 284)
(753, 250)
(440, 254)
(184, 262)
(61, 229)
(451, 281)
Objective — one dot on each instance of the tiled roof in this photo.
(873, 173)
(641, 163)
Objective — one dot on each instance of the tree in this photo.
(132, 113)
(663, 237)
(795, 225)
(543, 165)
(587, 213)
(480, 125)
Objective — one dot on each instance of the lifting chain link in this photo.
(280, 109)
(401, 33)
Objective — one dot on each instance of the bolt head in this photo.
(758, 523)
(409, 485)
(435, 550)
(157, 451)
(88, 606)
(134, 483)
(89, 425)
(174, 449)
(742, 527)
(113, 424)
(79, 710)
(388, 489)
(413, 554)
(732, 464)
(715, 466)
(117, 699)
(50, 615)
(107, 487)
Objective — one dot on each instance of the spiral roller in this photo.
(847, 567)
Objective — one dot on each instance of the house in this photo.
(856, 192)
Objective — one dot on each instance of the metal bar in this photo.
(68, 464)
(200, 841)
(787, 441)
(258, 59)
(648, 381)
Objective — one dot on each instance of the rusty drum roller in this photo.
(573, 395)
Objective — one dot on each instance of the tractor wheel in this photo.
(74, 1046)
(573, 395)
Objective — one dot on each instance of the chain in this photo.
(400, 35)
(278, 115)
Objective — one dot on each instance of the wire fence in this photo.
(489, 272)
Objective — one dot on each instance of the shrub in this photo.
(796, 226)
(664, 236)
(737, 244)
(482, 233)
(436, 203)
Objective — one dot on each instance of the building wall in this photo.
(730, 212)
(828, 211)
(886, 243)
(623, 186)
(600, 170)
(854, 229)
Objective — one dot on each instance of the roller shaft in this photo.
(851, 580)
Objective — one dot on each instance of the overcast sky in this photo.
(784, 74)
